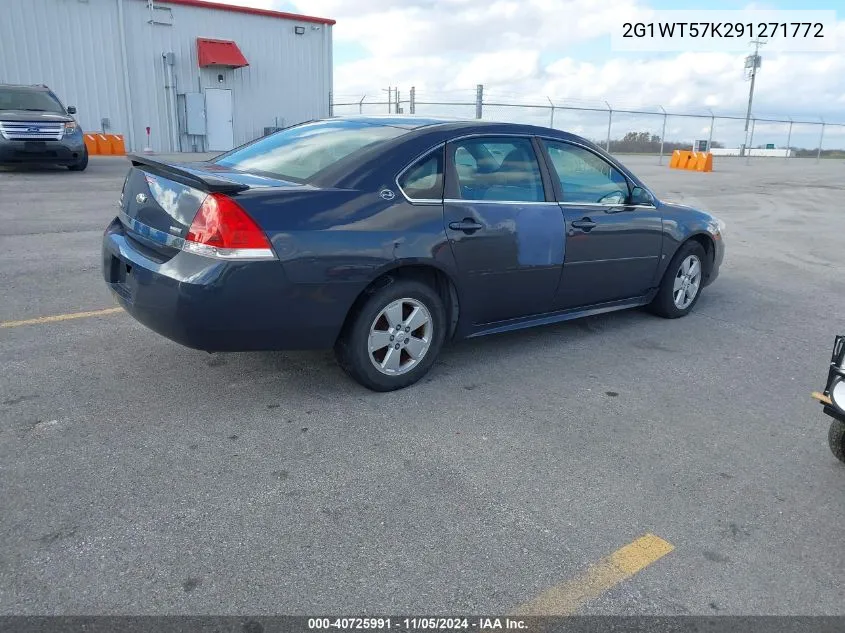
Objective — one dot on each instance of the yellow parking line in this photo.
(60, 317)
(567, 597)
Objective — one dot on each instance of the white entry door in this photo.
(218, 119)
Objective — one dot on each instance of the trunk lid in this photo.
(159, 200)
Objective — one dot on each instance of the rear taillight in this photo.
(223, 230)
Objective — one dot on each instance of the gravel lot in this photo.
(137, 476)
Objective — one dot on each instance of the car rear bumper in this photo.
(211, 305)
(64, 152)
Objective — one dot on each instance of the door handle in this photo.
(586, 224)
(467, 225)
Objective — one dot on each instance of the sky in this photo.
(534, 51)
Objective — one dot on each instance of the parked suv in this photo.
(36, 128)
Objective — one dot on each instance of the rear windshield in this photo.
(33, 100)
(298, 153)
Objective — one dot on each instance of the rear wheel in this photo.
(681, 285)
(81, 164)
(394, 338)
(836, 439)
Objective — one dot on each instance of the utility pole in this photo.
(752, 63)
(479, 100)
(389, 92)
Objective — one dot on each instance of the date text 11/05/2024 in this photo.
(416, 624)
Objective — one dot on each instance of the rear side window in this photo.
(300, 152)
(498, 169)
(424, 179)
(585, 176)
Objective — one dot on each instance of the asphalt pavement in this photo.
(137, 476)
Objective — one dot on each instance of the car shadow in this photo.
(311, 371)
(309, 374)
(33, 168)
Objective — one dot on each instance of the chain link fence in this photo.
(619, 129)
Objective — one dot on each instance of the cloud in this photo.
(530, 51)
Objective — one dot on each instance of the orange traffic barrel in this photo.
(91, 143)
(103, 144)
(118, 148)
(704, 162)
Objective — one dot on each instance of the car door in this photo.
(612, 245)
(504, 226)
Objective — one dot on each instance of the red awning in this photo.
(219, 53)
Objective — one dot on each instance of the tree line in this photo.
(648, 143)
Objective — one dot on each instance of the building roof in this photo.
(220, 6)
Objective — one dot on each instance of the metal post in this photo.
(361, 105)
(662, 136)
(609, 124)
(712, 123)
(552, 118)
(754, 62)
(389, 98)
(750, 142)
(479, 100)
(127, 91)
(788, 139)
(412, 106)
(821, 140)
(397, 101)
(331, 104)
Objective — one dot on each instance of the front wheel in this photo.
(81, 164)
(836, 439)
(394, 337)
(681, 285)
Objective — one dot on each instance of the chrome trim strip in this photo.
(160, 237)
(607, 206)
(20, 130)
(462, 201)
(516, 135)
(411, 164)
(239, 254)
(165, 239)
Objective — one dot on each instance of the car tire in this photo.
(370, 336)
(836, 439)
(678, 280)
(81, 164)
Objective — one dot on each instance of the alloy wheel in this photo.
(687, 282)
(400, 336)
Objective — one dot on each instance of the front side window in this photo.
(29, 100)
(498, 169)
(585, 176)
(300, 152)
(424, 179)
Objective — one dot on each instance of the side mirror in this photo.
(71, 110)
(641, 196)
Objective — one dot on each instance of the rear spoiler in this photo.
(197, 178)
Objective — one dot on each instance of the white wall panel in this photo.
(288, 77)
(74, 47)
(68, 45)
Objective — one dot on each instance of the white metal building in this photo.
(202, 76)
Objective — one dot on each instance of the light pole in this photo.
(710, 134)
(752, 63)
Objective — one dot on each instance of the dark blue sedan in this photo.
(384, 237)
